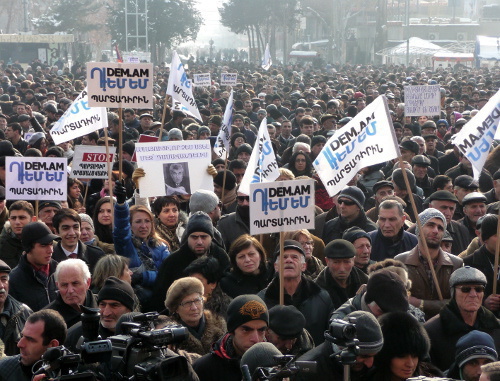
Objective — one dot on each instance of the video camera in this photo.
(140, 353)
(91, 348)
(343, 334)
(58, 363)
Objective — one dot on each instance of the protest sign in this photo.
(202, 79)
(228, 79)
(144, 139)
(114, 84)
(267, 60)
(78, 120)
(180, 89)
(422, 100)
(475, 138)
(366, 140)
(35, 178)
(174, 168)
(281, 206)
(262, 166)
(223, 142)
(89, 162)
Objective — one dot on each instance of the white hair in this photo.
(299, 146)
(73, 263)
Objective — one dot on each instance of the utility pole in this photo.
(25, 5)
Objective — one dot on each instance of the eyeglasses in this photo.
(346, 202)
(467, 289)
(243, 198)
(197, 302)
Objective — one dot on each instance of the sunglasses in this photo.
(243, 198)
(346, 202)
(467, 289)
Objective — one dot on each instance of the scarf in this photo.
(168, 234)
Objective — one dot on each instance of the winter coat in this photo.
(339, 294)
(69, 314)
(335, 228)
(421, 285)
(28, 289)
(231, 226)
(13, 370)
(173, 267)
(310, 299)
(445, 329)
(89, 254)
(383, 247)
(147, 258)
(484, 261)
(215, 328)
(236, 283)
(16, 314)
(11, 248)
(221, 363)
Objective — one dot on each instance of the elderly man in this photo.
(13, 314)
(474, 205)
(115, 298)
(424, 294)
(463, 313)
(314, 302)
(340, 278)
(73, 283)
(391, 239)
(362, 242)
(46, 212)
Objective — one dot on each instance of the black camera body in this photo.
(343, 334)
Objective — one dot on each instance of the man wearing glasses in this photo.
(463, 313)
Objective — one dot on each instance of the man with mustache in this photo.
(424, 293)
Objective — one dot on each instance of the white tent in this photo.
(419, 50)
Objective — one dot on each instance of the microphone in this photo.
(260, 355)
(51, 355)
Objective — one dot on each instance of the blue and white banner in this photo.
(78, 120)
(179, 88)
(474, 139)
(223, 142)
(281, 206)
(202, 79)
(262, 166)
(367, 139)
(267, 60)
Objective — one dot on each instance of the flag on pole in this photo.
(474, 139)
(119, 57)
(267, 60)
(262, 166)
(366, 140)
(78, 120)
(180, 89)
(223, 142)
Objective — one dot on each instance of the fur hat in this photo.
(180, 289)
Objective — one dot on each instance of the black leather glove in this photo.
(120, 192)
(137, 278)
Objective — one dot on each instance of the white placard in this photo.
(422, 100)
(174, 168)
(475, 138)
(366, 140)
(228, 79)
(202, 79)
(78, 120)
(281, 206)
(35, 178)
(114, 84)
(89, 162)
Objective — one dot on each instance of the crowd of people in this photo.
(421, 297)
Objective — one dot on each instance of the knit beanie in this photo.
(368, 332)
(200, 222)
(354, 233)
(387, 290)
(245, 308)
(203, 201)
(245, 147)
(129, 147)
(175, 133)
(180, 289)
(398, 179)
(427, 215)
(88, 219)
(489, 226)
(286, 321)
(119, 290)
(355, 194)
(475, 345)
(202, 130)
(230, 180)
(318, 139)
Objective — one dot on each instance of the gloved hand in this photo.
(211, 170)
(137, 278)
(138, 173)
(120, 192)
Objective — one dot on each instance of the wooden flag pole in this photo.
(497, 254)
(85, 195)
(421, 233)
(163, 117)
(110, 178)
(224, 180)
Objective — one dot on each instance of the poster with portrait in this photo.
(174, 167)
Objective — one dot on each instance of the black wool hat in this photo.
(475, 345)
(410, 145)
(119, 290)
(200, 222)
(318, 139)
(354, 233)
(286, 321)
(489, 225)
(381, 184)
(398, 178)
(339, 248)
(353, 193)
(466, 182)
(387, 290)
(230, 179)
(245, 308)
(129, 147)
(245, 147)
